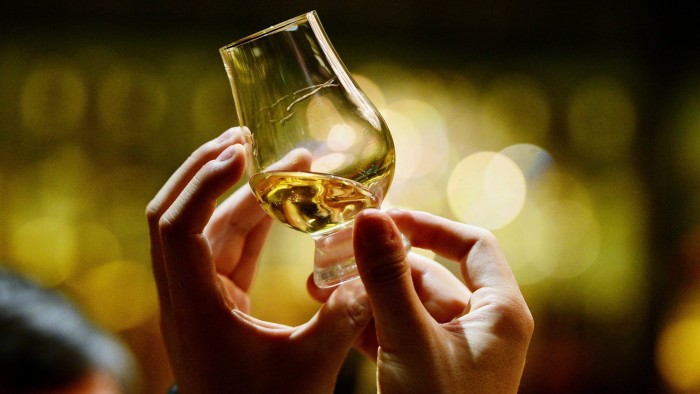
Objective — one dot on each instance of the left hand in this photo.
(204, 260)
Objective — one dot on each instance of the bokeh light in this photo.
(573, 238)
(45, 249)
(341, 137)
(486, 189)
(213, 110)
(524, 242)
(533, 160)
(678, 353)
(407, 143)
(98, 244)
(132, 103)
(405, 195)
(119, 294)
(371, 90)
(431, 135)
(53, 99)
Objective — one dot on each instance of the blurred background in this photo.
(570, 129)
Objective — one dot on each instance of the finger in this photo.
(340, 321)
(190, 272)
(476, 249)
(165, 197)
(182, 176)
(443, 295)
(239, 226)
(367, 343)
(237, 232)
(381, 261)
(269, 328)
(317, 293)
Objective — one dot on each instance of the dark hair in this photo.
(45, 342)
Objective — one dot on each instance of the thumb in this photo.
(381, 261)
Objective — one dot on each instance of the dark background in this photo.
(651, 48)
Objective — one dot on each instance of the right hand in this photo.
(431, 333)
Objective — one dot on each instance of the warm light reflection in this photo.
(341, 137)
(602, 119)
(53, 99)
(328, 163)
(486, 189)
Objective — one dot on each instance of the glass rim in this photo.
(268, 31)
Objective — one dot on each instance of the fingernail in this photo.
(375, 229)
(228, 153)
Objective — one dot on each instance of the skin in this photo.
(428, 331)
(431, 332)
(204, 260)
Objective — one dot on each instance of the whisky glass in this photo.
(319, 151)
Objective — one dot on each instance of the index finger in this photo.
(165, 198)
(475, 249)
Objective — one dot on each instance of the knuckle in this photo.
(486, 238)
(206, 149)
(515, 319)
(167, 224)
(359, 311)
(153, 212)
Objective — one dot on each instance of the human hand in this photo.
(204, 260)
(431, 334)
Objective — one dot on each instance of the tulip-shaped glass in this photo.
(319, 151)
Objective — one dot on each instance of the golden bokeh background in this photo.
(572, 131)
